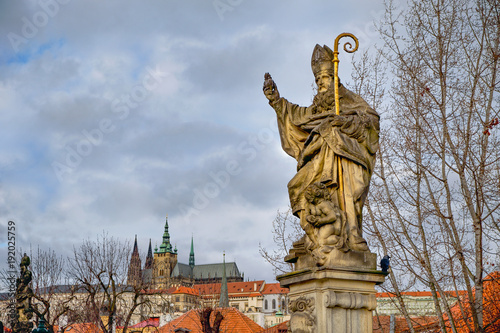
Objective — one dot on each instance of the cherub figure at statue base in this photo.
(324, 223)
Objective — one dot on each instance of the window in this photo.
(177, 298)
(265, 304)
(274, 304)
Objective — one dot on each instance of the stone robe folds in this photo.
(315, 140)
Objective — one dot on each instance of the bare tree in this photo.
(99, 268)
(206, 326)
(286, 230)
(52, 293)
(369, 79)
(435, 196)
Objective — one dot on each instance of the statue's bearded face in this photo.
(323, 81)
(325, 97)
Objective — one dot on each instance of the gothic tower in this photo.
(149, 258)
(134, 276)
(164, 261)
(147, 272)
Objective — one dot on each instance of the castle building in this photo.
(162, 269)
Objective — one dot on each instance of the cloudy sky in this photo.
(116, 113)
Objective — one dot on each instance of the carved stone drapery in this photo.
(350, 300)
(302, 304)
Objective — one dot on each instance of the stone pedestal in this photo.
(333, 298)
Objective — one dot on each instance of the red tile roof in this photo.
(241, 289)
(232, 287)
(382, 324)
(248, 286)
(234, 321)
(155, 322)
(491, 305)
(83, 328)
(280, 328)
(208, 289)
(186, 290)
(274, 288)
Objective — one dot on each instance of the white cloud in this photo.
(205, 115)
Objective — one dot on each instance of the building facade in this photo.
(162, 269)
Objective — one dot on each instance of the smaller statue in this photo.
(24, 294)
(326, 223)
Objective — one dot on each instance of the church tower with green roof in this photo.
(165, 271)
(165, 259)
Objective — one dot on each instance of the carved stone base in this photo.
(303, 259)
(333, 299)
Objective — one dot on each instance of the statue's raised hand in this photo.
(270, 89)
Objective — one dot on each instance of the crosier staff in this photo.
(349, 49)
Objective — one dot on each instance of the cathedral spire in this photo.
(191, 255)
(166, 235)
(134, 276)
(224, 295)
(165, 245)
(149, 258)
(135, 251)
